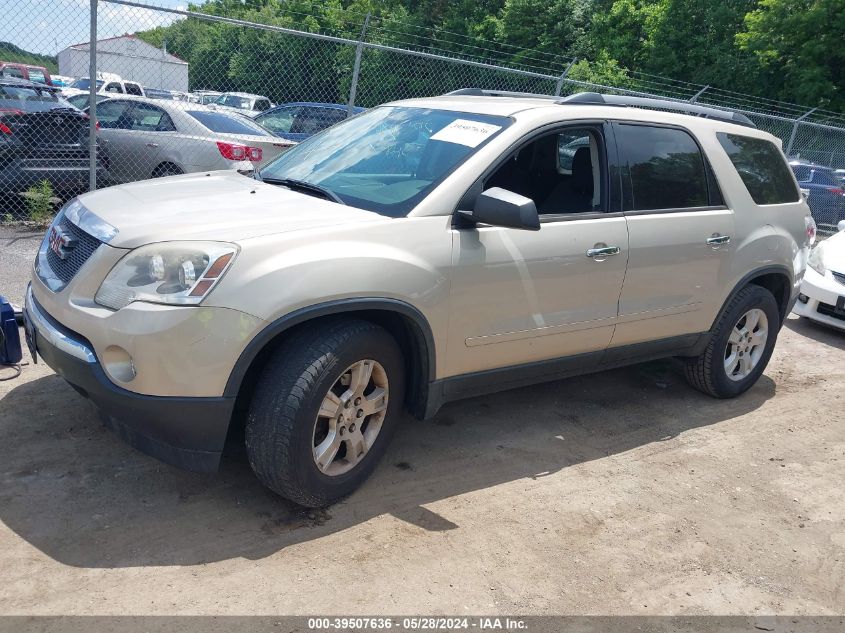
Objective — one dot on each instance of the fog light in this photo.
(118, 363)
(803, 298)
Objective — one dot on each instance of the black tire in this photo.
(706, 372)
(292, 385)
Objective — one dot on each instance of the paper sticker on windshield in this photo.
(464, 132)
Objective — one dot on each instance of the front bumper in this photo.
(189, 433)
(825, 300)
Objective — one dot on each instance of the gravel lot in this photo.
(625, 492)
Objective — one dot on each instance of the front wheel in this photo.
(324, 410)
(740, 346)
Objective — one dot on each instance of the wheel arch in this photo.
(166, 163)
(775, 279)
(405, 323)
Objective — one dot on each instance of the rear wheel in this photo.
(324, 410)
(740, 347)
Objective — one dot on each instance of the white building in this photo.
(132, 59)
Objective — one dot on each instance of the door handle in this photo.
(603, 251)
(152, 144)
(718, 240)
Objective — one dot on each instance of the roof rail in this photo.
(480, 92)
(595, 98)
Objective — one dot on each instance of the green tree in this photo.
(799, 44)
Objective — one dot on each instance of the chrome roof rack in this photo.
(694, 109)
(595, 98)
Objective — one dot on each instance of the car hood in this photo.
(834, 252)
(217, 205)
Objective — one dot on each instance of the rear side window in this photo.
(12, 71)
(762, 168)
(665, 167)
(37, 75)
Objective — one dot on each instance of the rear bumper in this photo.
(65, 174)
(189, 433)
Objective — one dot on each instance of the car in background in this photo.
(243, 102)
(840, 175)
(205, 97)
(61, 81)
(825, 193)
(42, 137)
(158, 93)
(82, 100)
(822, 297)
(298, 121)
(143, 138)
(15, 70)
(107, 84)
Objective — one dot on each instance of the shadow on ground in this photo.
(817, 331)
(74, 491)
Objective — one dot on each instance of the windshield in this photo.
(387, 159)
(225, 124)
(233, 101)
(85, 83)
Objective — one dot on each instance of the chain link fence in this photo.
(182, 90)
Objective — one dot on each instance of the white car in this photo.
(243, 102)
(107, 84)
(822, 295)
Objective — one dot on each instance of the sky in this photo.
(48, 26)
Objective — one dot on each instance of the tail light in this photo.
(810, 226)
(836, 190)
(233, 151)
(5, 129)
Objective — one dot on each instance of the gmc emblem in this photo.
(61, 243)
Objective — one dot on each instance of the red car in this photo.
(38, 74)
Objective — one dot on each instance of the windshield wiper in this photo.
(304, 187)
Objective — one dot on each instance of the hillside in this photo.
(11, 53)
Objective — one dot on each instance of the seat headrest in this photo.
(582, 170)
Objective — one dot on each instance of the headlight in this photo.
(180, 273)
(816, 259)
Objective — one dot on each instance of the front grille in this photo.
(840, 277)
(65, 269)
(829, 310)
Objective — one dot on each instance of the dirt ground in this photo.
(624, 492)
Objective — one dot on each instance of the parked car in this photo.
(840, 176)
(157, 93)
(205, 97)
(826, 195)
(299, 121)
(243, 102)
(82, 100)
(61, 81)
(106, 84)
(822, 295)
(145, 138)
(42, 137)
(309, 306)
(15, 70)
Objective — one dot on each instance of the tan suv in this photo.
(420, 252)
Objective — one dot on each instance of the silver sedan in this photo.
(144, 139)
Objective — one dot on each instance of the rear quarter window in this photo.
(762, 168)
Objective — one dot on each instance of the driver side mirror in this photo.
(500, 207)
